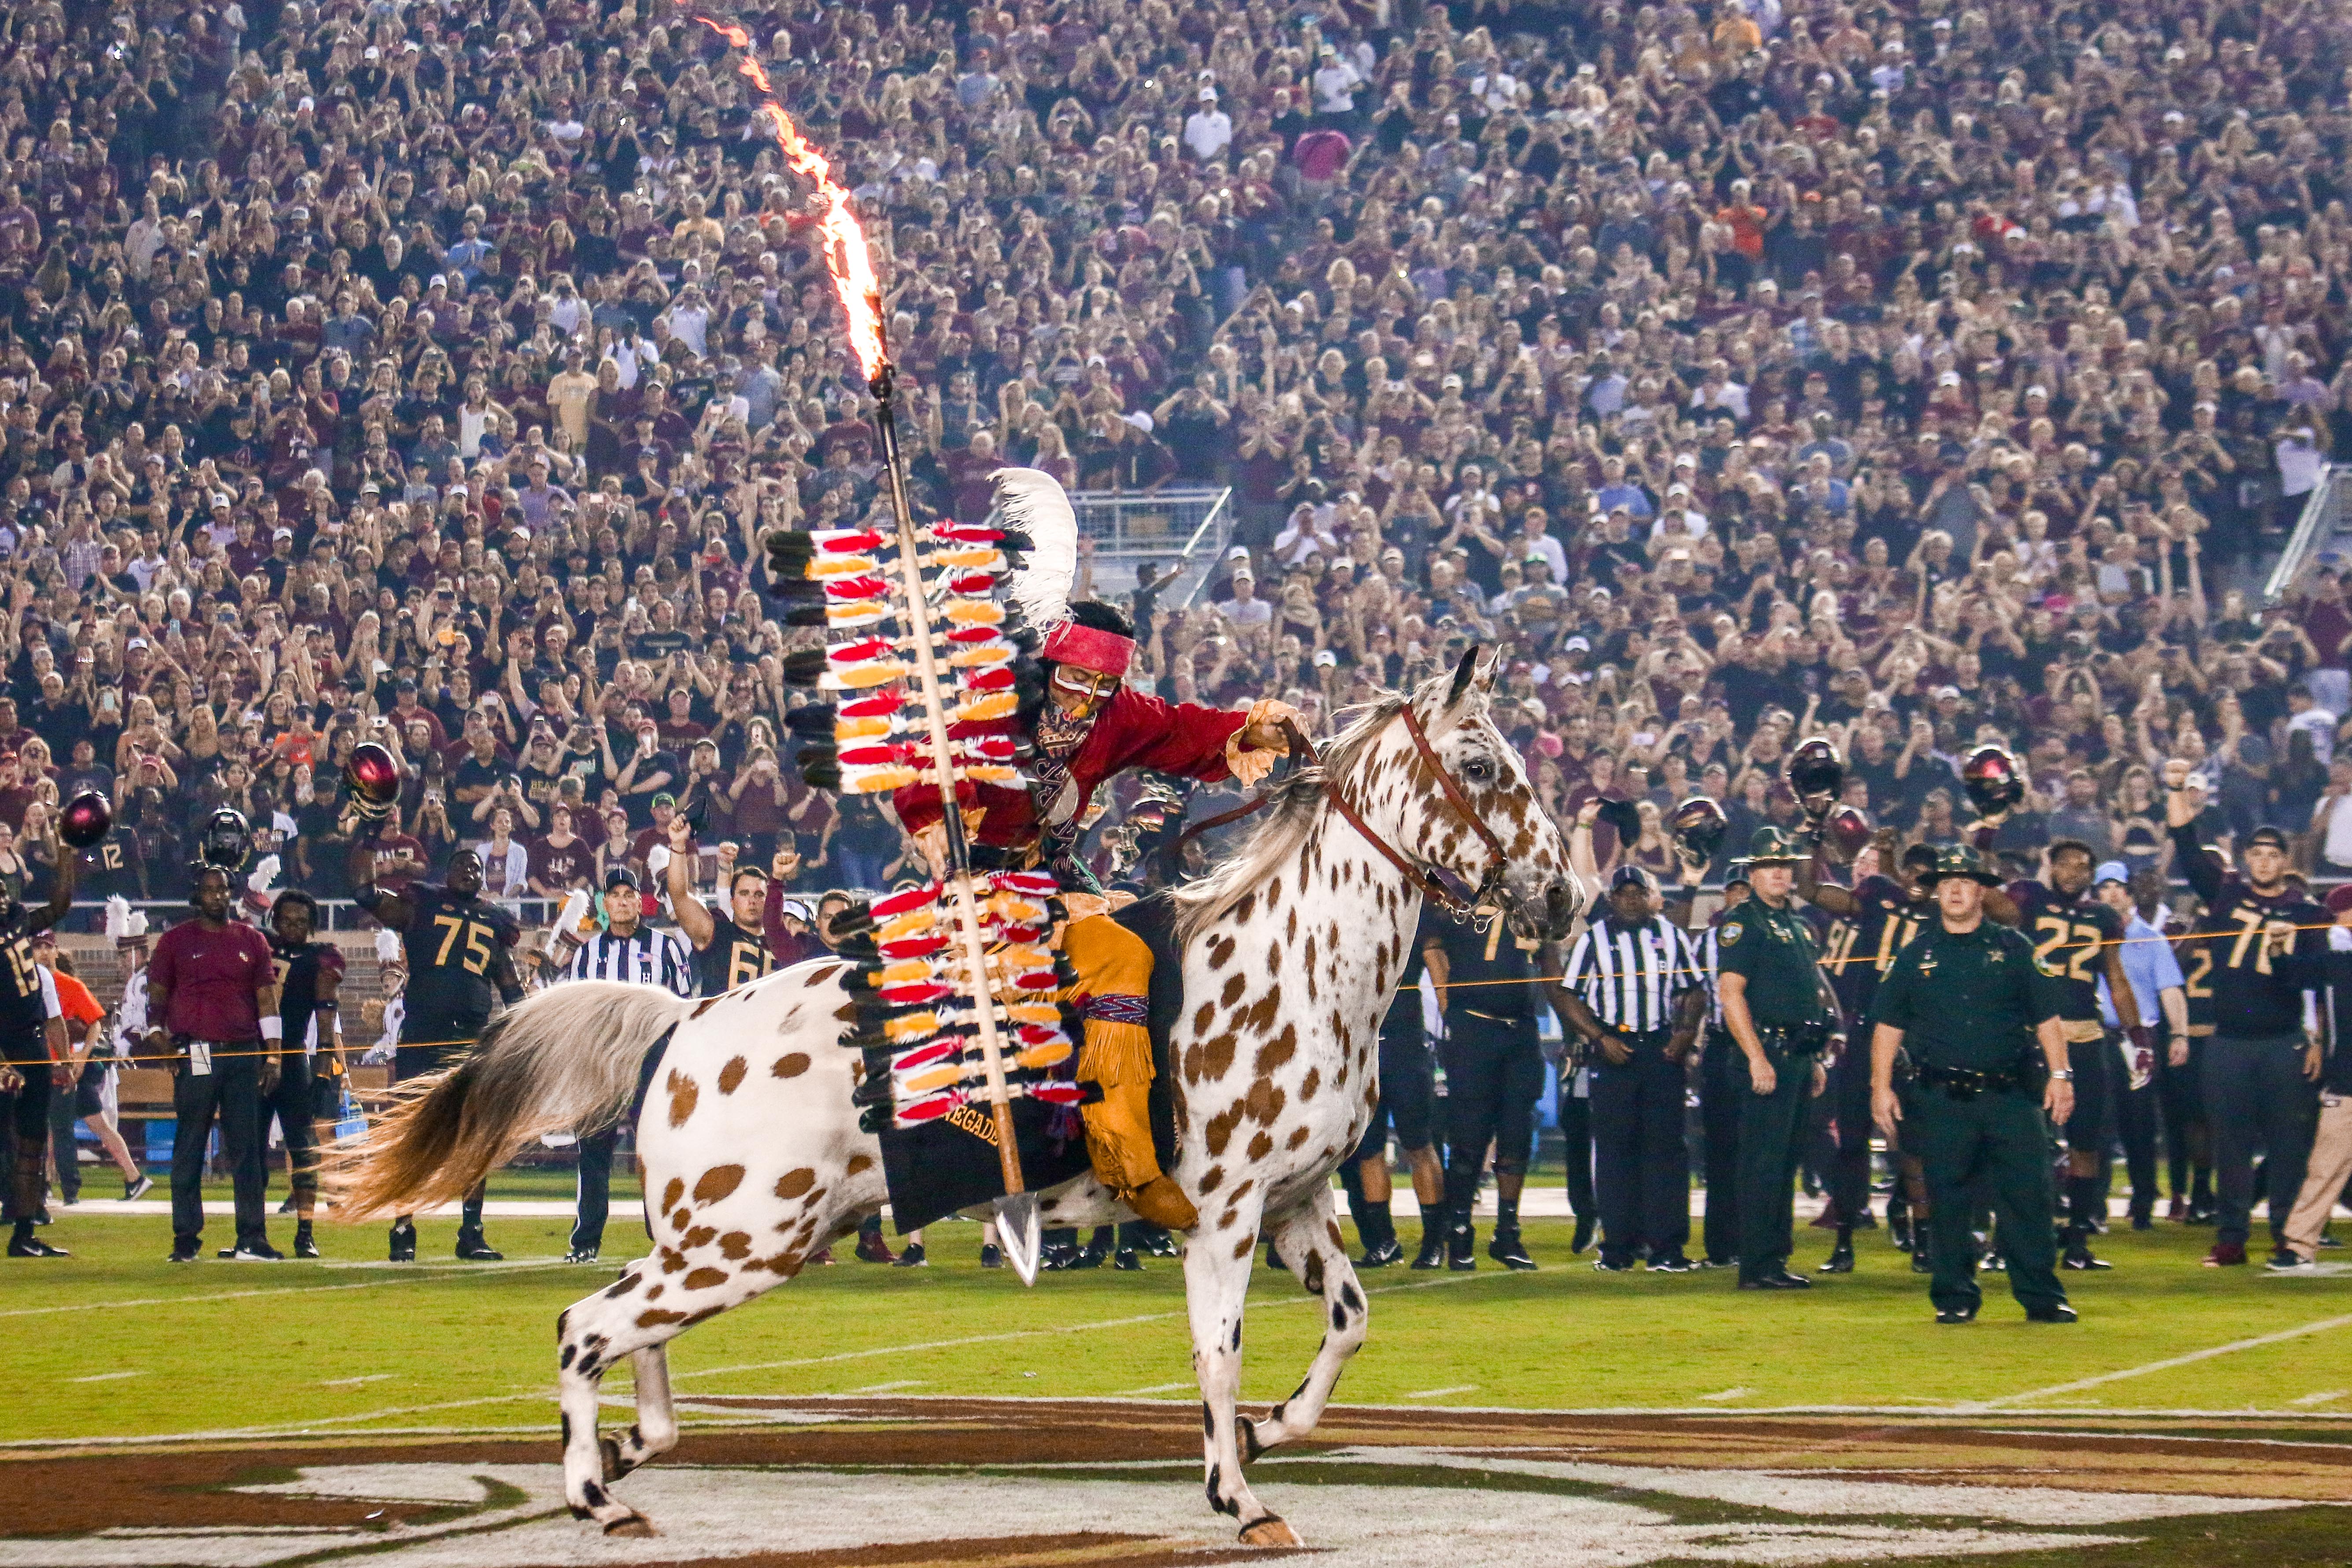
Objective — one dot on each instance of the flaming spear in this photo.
(851, 264)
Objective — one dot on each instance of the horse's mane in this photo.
(1295, 802)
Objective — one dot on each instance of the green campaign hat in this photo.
(1960, 860)
(1775, 846)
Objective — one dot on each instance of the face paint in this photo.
(1079, 693)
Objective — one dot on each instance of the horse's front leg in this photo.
(1217, 1262)
(1311, 1244)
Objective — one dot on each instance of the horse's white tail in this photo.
(565, 1059)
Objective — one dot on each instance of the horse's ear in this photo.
(1463, 673)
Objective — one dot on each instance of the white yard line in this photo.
(355, 1382)
(2323, 1326)
(1727, 1394)
(1156, 1388)
(105, 1377)
(405, 1278)
(1442, 1393)
(889, 1387)
(2327, 1398)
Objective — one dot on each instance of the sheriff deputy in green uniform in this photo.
(1778, 1008)
(1968, 1003)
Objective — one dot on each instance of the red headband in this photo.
(1106, 653)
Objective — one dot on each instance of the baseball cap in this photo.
(2111, 871)
(2273, 837)
(1633, 876)
(620, 877)
(665, 798)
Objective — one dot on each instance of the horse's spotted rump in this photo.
(705, 1280)
(791, 1064)
(795, 1183)
(860, 1162)
(716, 1183)
(703, 1006)
(1220, 952)
(1309, 1084)
(1212, 1179)
(1232, 995)
(735, 1246)
(1264, 1101)
(1244, 1246)
(701, 1236)
(672, 1192)
(683, 1094)
(730, 1076)
(1204, 1016)
(1297, 1136)
(1262, 1145)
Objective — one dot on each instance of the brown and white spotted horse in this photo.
(753, 1159)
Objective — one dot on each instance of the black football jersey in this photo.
(1860, 950)
(2071, 939)
(735, 957)
(2254, 954)
(456, 948)
(299, 966)
(22, 1011)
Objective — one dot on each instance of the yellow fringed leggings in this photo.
(1114, 980)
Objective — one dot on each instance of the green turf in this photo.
(249, 1346)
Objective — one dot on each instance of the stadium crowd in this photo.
(1747, 370)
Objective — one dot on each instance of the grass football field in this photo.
(115, 1344)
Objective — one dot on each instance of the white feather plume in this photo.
(1033, 503)
(118, 917)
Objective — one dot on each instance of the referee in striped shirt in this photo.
(1632, 992)
(627, 950)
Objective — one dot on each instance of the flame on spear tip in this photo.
(846, 255)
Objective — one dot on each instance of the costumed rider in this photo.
(1090, 728)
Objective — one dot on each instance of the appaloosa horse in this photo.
(753, 1156)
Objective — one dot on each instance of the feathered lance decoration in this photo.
(953, 982)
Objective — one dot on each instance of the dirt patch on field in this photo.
(190, 1489)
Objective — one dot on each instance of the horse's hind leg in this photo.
(591, 1335)
(654, 1431)
(1311, 1244)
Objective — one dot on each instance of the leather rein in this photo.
(1303, 754)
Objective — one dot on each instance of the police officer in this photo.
(1631, 992)
(1494, 1074)
(459, 950)
(2268, 945)
(1968, 1002)
(31, 1041)
(1777, 1006)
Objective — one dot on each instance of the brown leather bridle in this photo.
(1303, 754)
(1431, 885)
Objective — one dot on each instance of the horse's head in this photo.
(1470, 811)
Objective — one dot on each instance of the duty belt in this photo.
(1966, 1083)
(1796, 1040)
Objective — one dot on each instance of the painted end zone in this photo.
(816, 1483)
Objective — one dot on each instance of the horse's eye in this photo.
(1478, 770)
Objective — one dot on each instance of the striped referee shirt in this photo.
(1707, 954)
(1630, 977)
(645, 957)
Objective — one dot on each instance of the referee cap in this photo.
(1631, 876)
(620, 877)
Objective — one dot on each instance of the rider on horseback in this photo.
(1091, 728)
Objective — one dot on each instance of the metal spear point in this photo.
(1017, 1225)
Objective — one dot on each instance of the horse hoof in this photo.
(1271, 1531)
(638, 1526)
